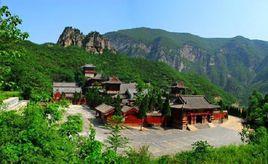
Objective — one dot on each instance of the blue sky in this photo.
(45, 19)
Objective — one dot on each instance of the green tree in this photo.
(143, 109)
(257, 111)
(166, 111)
(116, 140)
(73, 126)
(9, 34)
(117, 106)
(90, 150)
(201, 147)
(93, 97)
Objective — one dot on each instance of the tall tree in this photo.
(9, 34)
(116, 140)
(117, 106)
(166, 111)
(143, 109)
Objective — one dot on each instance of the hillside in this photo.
(34, 71)
(237, 64)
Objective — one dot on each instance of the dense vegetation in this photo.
(37, 135)
(42, 64)
(238, 65)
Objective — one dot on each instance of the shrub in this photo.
(73, 126)
(53, 111)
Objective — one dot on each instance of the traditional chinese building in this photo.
(192, 109)
(112, 86)
(178, 89)
(89, 70)
(95, 81)
(68, 90)
(128, 93)
(130, 115)
(104, 112)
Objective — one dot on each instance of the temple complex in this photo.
(186, 110)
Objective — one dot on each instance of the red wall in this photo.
(220, 115)
(132, 120)
(131, 117)
(155, 120)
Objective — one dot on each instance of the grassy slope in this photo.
(44, 63)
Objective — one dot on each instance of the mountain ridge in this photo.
(232, 63)
(237, 64)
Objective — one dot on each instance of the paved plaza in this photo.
(162, 142)
(159, 140)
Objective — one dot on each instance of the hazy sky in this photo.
(45, 19)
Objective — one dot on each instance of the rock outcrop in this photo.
(93, 42)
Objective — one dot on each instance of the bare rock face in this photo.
(71, 36)
(93, 42)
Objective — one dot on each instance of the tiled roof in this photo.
(127, 86)
(113, 80)
(179, 85)
(88, 65)
(64, 84)
(154, 113)
(66, 87)
(104, 108)
(125, 108)
(196, 102)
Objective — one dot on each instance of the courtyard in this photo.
(164, 141)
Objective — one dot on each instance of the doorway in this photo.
(198, 119)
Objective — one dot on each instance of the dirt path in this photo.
(86, 114)
(233, 123)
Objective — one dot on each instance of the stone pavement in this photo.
(171, 141)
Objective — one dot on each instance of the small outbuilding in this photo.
(89, 70)
(130, 115)
(66, 89)
(104, 112)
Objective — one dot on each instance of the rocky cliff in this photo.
(236, 64)
(93, 42)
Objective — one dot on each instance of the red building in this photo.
(130, 115)
(193, 109)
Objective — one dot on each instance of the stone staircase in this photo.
(191, 127)
(13, 103)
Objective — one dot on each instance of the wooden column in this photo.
(194, 120)
(204, 119)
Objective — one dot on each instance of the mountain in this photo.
(40, 65)
(237, 64)
(92, 42)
